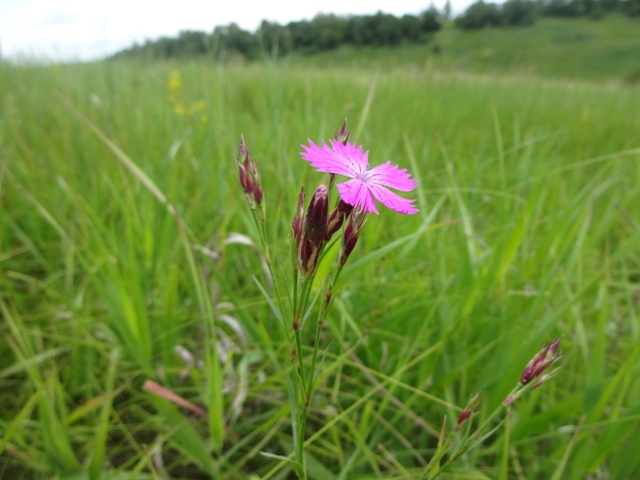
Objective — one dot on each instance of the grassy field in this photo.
(123, 266)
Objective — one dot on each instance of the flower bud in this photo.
(342, 135)
(351, 235)
(468, 411)
(314, 230)
(340, 213)
(315, 222)
(248, 175)
(296, 227)
(541, 362)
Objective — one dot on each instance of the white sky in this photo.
(83, 29)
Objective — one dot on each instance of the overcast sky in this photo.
(83, 29)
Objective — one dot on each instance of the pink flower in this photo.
(366, 185)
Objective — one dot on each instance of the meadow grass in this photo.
(110, 259)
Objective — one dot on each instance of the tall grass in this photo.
(528, 230)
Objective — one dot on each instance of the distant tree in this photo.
(518, 12)
(384, 29)
(330, 31)
(609, 5)
(480, 15)
(231, 38)
(356, 32)
(164, 47)
(430, 20)
(192, 43)
(275, 38)
(560, 8)
(410, 28)
(631, 7)
(302, 36)
(446, 11)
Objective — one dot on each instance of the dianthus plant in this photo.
(316, 227)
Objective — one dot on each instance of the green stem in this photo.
(301, 367)
(303, 427)
(312, 369)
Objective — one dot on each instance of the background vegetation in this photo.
(328, 32)
(529, 196)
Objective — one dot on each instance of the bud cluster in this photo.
(536, 368)
(311, 231)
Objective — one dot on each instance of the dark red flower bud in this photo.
(468, 411)
(327, 297)
(315, 222)
(248, 174)
(351, 235)
(314, 230)
(342, 135)
(257, 193)
(243, 168)
(541, 362)
(340, 213)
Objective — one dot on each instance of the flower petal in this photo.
(347, 160)
(392, 176)
(391, 200)
(357, 194)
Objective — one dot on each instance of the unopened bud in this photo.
(351, 235)
(314, 230)
(248, 174)
(342, 135)
(298, 218)
(468, 411)
(540, 362)
(327, 297)
(315, 222)
(339, 214)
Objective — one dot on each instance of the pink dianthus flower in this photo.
(366, 185)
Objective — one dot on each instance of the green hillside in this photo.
(601, 50)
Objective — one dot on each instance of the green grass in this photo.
(598, 50)
(529, 196)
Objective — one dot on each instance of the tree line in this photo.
(483, 14)
(328, 31)
(323, 32)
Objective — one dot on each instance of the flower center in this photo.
(363, 172)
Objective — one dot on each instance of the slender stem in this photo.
(312, 369)
(262, 230)
(303, 427)
(295, 291)
(301, 367)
